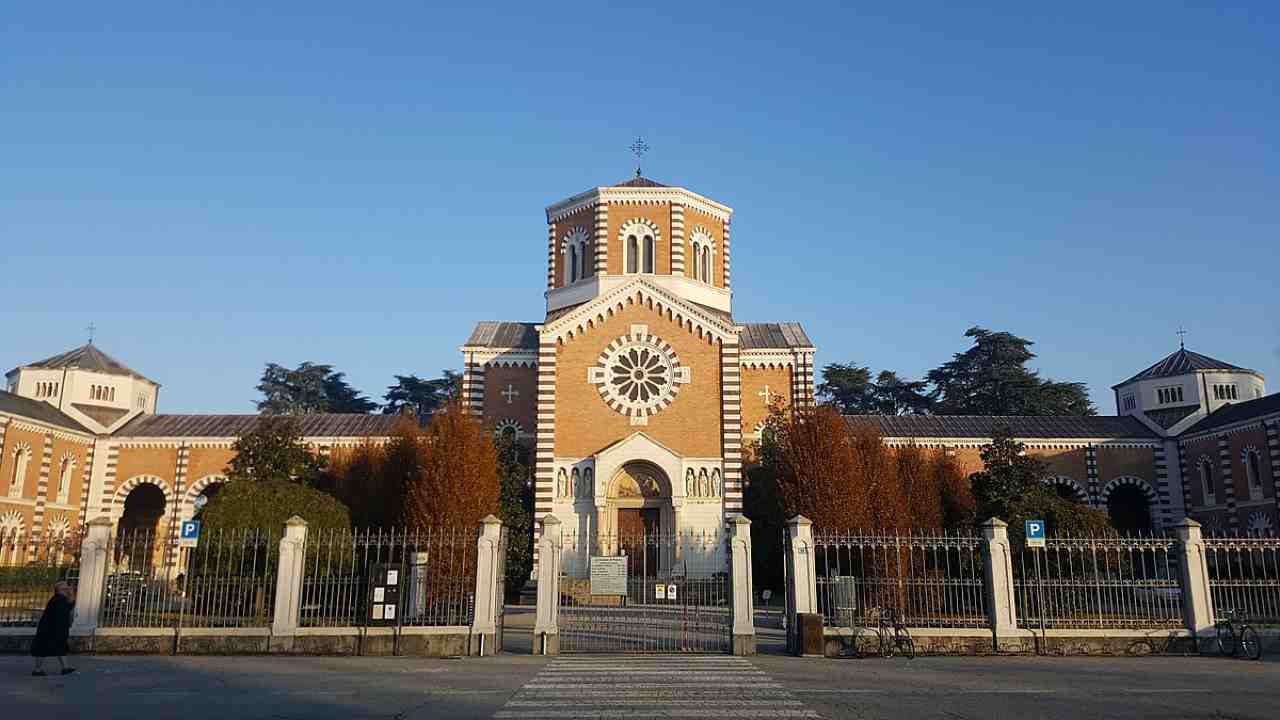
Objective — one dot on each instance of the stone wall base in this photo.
(852, 642)
(744, 644)
(415, 642)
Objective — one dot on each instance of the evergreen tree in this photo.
(273, 451)
(307, 389)
(991, 378)
(421, 397)
(1007, 475)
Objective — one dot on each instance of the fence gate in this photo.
(645, 593)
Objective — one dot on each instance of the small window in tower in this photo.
(633, 252)
(648, 253)
(697, 253)
(573, 263)
(113, 395)
(706, 264)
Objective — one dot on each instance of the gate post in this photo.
(486, 603)
(546, 631)
(93, 576)
(1197, 601)
(1002, 611)
(744, 622)
(802, 582)
(284, 624)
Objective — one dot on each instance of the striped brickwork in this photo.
(85, 482)
(1186, 483)
(600, 253)
(1165, 518)
(802, 381)
(1228, 483)
(42, 491)
(731, 424)
(109, 481)
(677, 239)
(175, 506)
(1273, 445)
(473, 385)
(725, 255)
(551, 256)
(544, 438)
(1091, 473)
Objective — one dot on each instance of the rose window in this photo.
(638, 375)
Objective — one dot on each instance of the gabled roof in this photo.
(1237, 412)
(760, 336)
(11, 404)
(1181, 362)
(88, 357)
(1021, 426)
(317, 425)
(639, 181)
(495, 334)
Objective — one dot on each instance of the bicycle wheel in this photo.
(1250, 643)
(1226, 639)
(905, 644)
(886, 643)
(1141, 647)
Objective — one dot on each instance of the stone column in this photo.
(802, 582)
(94, 558)
(546, 631)
(1002, 611)
(1197, 601)
(284, 625)
(744, 625)
(484, 623)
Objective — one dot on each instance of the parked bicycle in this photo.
(1236, 637)
(894, 638)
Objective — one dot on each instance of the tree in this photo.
(273, 451)
(449, 469)
(307, 389)
(515, 508)
(268, 505)
(421, 397)
(991, 378)
(850, 388)
(1007, 475)
(359, 477)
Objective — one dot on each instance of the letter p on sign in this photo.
(1035, 533)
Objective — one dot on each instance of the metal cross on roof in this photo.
(639, 148)
(1182, 338)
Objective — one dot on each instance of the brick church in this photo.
(638, 390)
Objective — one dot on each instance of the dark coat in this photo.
(54, 627)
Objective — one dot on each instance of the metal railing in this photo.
(1099, 583)
(933, 580)
(29, 567)
(671, 593)
(141, 584)
(393, 578)
(229, 579)
(1244, 576)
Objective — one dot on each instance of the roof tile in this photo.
(316, 425)
(1181, 362)
(1022, 426)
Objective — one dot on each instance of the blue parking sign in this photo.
(1035, 533)
(188, 533)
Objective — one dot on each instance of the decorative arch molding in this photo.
(1077, 490)
(642, 230)
(17, 479)
(506, 424)
(1129, 480)
(133, 483)
(574, 242)
(12, 525)
(188, 508)
(639, 290)
(59, 527)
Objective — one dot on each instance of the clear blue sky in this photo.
(357, 183)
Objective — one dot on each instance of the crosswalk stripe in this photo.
(622, 688)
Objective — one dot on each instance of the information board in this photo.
(609, 575)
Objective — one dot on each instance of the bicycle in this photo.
(894, 637)
(1246, 642)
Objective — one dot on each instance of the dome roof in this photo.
(1181, 362)
(88, 357)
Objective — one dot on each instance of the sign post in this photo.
(189, 533)
(1035, 541)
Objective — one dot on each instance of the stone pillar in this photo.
(1197, 601)
(546, 631)
(94, 558)
(802, 582)
(483, 624)
(1002, 611)
(744, 624)
(284, 624)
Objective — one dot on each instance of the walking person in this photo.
(52, 632)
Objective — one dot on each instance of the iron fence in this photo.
(1244, 576)
(393, 578)
(29, 567)
(1099, 583)
(933, 580)
(229, 579)
(669, 593)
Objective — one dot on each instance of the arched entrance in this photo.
(1130, 501)
(639, 512)
(137, 534)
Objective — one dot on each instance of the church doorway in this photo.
(638, 511)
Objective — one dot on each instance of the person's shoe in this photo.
(39, 673)
(68, 671)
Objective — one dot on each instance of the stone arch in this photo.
(1125, 480)
(12, 526)
(1130, 502)
(639, 479)
(128, 486)
(188, 507)
(1067, 487)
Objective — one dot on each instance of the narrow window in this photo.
(64, 481)
(573, 263)
(648, 253)
(113, 394)
(1206, 477)
(697, 267)
(1252, 469)
(20, 460)
(633, 252)
(706, 264)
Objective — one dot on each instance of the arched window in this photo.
(1253, 470)
(633, 253)
(697, 253)
(706, 264)
(113, 394)
(573, 263)
(21, 456)
(648, 253)
(64, 479)
(1206, 480)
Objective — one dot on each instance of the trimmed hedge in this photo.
(269, 505)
